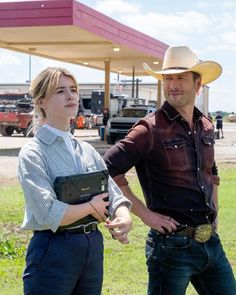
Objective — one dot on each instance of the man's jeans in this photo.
(64, 263)
(173, 261)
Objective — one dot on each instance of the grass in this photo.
(125, 269)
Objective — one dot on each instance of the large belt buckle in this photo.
(203, 233)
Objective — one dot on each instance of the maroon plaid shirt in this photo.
(175, 165)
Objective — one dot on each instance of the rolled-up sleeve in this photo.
(43, 210)
(116, 197)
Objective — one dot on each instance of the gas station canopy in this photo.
(69, 31)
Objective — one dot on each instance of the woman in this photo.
(68, 261)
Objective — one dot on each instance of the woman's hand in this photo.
(121, 225)
(99, 207)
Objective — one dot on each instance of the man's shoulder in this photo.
(158, 118)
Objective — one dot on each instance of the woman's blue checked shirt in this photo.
(41, 160)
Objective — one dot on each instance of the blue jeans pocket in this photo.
(149, 250)
(38, 251)
(150, 245)
(153, 252)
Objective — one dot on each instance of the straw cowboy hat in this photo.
(180, 59)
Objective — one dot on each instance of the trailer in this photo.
(16, 117)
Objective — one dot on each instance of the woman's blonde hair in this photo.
(43, 87)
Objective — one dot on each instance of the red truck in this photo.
(17, 117)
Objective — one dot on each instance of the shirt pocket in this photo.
(207, 143)
(176, 153)
(91, 166)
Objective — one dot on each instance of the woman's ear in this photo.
(42, 103)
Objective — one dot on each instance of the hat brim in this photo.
(209, 71)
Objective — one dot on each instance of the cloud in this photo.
(229, 38)
(116, 6)
(215, 5)
(228, 4)
(8, 58)
(216, 31)
(169, 27)
(204, 5)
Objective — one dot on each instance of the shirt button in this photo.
(198, 169)
(176, 146)
(189, 132)
(202, 187)
(195, 131)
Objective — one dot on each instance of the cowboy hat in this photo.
(180, 59)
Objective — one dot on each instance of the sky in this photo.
(207, 27)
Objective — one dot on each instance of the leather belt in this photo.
(201, 233)
(80, 229)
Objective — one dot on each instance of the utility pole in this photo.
(29, 71)
(29, 68)
(133, 76)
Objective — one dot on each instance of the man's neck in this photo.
(187, 113)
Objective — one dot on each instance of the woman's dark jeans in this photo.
(64, 263)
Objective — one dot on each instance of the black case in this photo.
(80, 188)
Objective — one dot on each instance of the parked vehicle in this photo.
(232, 117)
(17, 117)
(72, 125)
(92, 106)
(118, 127)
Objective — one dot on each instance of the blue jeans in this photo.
(64, 264)
(173, 261)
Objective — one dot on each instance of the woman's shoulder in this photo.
(32, 147)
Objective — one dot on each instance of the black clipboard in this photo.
(80, 188)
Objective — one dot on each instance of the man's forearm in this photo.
(138, 207)
(152, 219)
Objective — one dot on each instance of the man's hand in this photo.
(159, 222)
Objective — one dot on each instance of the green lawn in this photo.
(125, 270)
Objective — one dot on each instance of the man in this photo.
(219, 124)
(172, 151)
(105, 116)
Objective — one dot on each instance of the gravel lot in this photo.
(225, 149)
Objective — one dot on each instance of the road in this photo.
(225, 149)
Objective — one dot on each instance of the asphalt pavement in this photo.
(225, 148)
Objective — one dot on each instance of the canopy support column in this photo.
(107, 84)
(159, 102)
